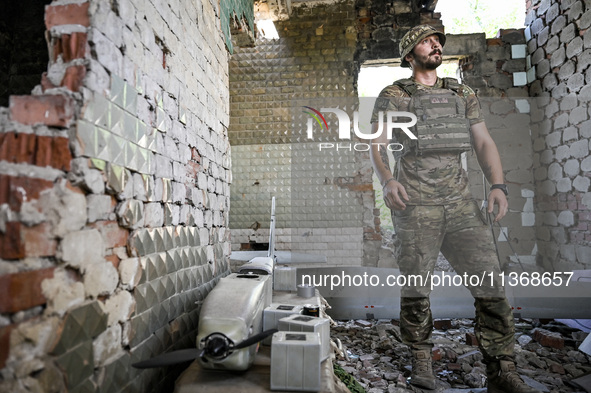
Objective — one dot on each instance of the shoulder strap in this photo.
(408, 85)
(451, 84)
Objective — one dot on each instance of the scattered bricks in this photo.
(454, 366)
(67, 14)
(51, 110)
(21, 291)
(436, 354)
(11, 244)
(471, 339)
(556, 368)
(548, 338)
(38, 241)
(363, 323)
(442, 324)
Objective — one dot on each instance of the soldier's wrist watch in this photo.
(502, 187)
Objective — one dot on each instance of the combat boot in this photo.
(422, 370)
(503, 378)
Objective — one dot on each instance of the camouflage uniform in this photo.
(442, 215)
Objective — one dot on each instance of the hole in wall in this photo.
(371, 81)
(23, 49)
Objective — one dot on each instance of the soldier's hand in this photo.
(497, 197)
(395, 195)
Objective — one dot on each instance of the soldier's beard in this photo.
(428, 62)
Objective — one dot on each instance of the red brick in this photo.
(548, 339)
(471, 339)
(114, 259)
(442, 324)
(61, 156)
(74, 77)
(17, 147)
(21, 291)
(38, 241)
(51, 110)
(15, 190)
(5, 343)
(11, 243)
(35, 150)
(454, 366)
(113, 234)
(74, 46)
(68, 14)
(436, 354)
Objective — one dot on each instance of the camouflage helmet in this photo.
(413, 37)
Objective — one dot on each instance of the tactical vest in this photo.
(441, 117)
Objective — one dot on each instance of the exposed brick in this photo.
(51, 110)
(74, 77)
(38, 241)
(113, 234)
(61, 155)
(68, 14)
(35, 150)
(21, 291)
(11, 243)
(454, 366)
(15, 190)
(114, 259)
(548, 338)
(73, 46)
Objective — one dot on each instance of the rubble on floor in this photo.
(546, 355)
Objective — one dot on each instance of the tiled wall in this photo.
(114, 197)
(319, 193)
(559, 52)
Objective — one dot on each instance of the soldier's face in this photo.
(427, 53)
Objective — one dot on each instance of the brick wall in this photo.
(324, 198)
(559, 47)
(114, 195)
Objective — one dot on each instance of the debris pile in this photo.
(546, 355)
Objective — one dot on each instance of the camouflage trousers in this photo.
(460, 231)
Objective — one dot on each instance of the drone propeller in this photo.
(215, 348)
(255, 339)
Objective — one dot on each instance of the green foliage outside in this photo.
(477, 16)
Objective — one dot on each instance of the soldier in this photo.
(433, 209)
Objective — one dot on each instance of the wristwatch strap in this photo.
(502, 187)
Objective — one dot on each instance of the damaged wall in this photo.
(559, 45)
(269, 82)
(114, 179)
(324, 198)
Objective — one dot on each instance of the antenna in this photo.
(271, 252)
